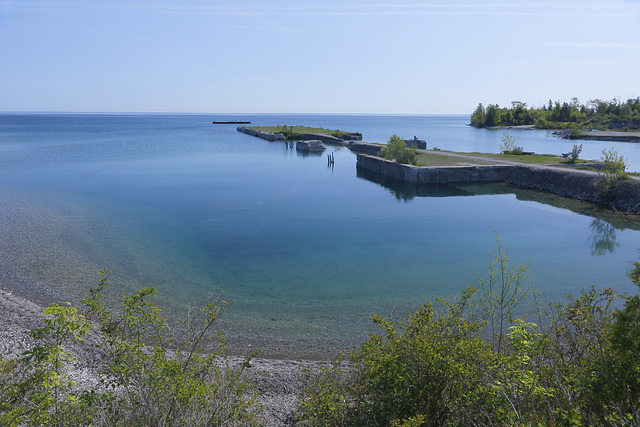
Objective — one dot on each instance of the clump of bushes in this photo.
(615, 164)
(473, 362)
(614, 169)
(509, 145)
(151, 375)
(286, 131)
(396, 149)
(574, 154)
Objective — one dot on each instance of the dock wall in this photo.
(263, 135)
(577, 184)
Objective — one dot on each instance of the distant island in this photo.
(575, 118)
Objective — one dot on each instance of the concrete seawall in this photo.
(365, 147)
(582, 185)
(325, 138)
(263, 135)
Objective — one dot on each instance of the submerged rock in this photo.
(310, 145)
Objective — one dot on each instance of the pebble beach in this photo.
(277, 382)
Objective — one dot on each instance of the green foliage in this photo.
(614, 169)
(578, 365)
(614, 163)
(501, 292)
(285, 130)
(323, 400)
(478, 116)
(294, 131)
(34, 388)
(574, 131)
(595, 114)
(152, 373)
(396, 149)
(492, 116)
(425, 369)
(624, 387)
(508, 145)
(574, 154)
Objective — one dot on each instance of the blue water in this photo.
(304, 252)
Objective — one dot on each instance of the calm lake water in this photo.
(304, 252)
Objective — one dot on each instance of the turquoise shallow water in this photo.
(305, 253)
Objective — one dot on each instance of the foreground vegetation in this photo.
(396, 149)
(476, 360)
(595, 114)
(150, 374)
(472, 361)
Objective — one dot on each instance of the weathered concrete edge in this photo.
(582, 185)
(325, 138)
(263, 135)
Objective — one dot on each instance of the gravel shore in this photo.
(277, 381)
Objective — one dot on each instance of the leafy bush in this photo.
(396, 149)
(614, 163)
(574, 154)
(152, 373)
(459, 363)
(509, 145)
(34, 389)
(428, 367)
(614, 169)
(285, 130)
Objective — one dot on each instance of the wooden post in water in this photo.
(330, 159)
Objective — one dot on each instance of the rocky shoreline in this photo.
(278, 382)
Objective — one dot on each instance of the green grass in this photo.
(426, 158)
(529, 158)
(300, 130)
(440, 158)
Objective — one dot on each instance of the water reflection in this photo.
(604, 227)
(407, 191)
(603, 239)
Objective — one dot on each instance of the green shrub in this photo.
(396, 149)
(34, 389)
(152, 373)
(614, 169)
(448, 366)
(574, 154)
(285, 130)
(509, 145)
(426, 368)
(615, 164)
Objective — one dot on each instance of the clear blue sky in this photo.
(331, 56)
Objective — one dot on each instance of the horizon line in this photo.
(224, 113)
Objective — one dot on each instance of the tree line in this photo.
(595, 114)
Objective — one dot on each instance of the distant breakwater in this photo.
(600, 136)
(324, 137)
(264, 135)
(578, 184)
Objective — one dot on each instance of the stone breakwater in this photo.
(600, 136)
(578, 184)
(323, 137)
(263, 135)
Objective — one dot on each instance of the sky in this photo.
(331, 56)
